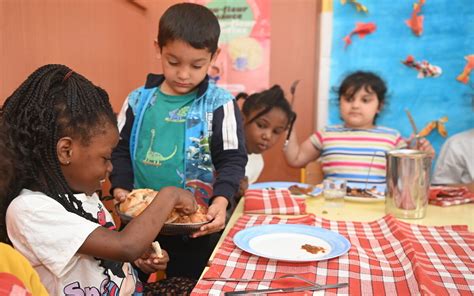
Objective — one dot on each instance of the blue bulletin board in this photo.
(448, 36)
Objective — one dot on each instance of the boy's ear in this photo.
(216, 54)
(64, 150)
(157, 49)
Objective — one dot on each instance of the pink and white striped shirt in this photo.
(347, 153)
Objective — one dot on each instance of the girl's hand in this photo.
(423, 145)
(185, 203)
(217, 213)
(149, 262)
(120, 194)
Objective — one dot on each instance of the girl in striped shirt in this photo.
(349, 150)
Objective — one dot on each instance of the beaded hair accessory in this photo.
(68, 74)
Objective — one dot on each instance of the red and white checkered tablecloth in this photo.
(387, 257)
(445, 196)
(273, 202)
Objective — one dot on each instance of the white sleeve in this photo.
(254, 167)
(45, 232)
(448, 168)
(122, 117)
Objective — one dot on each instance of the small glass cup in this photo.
(334, 192)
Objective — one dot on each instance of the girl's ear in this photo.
(244, 118)
(380, 107)
(64, 150)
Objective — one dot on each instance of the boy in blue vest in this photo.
(180, 130)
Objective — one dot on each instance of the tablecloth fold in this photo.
(273, 202)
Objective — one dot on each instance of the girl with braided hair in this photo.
(267, 116)
(64, 130)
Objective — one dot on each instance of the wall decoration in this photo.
(359, 6)
(464, 76)
(448, 36)
(424, 68)
(361, 29)
(243, 64)
(439, 124)
(415, 23)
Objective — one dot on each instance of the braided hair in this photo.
(7, 169)
(51, 103)
(264, 102)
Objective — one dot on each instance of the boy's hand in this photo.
(120, 194)
(244, 185)
(217, 213)
(149, 262)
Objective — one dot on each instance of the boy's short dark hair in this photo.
(193, 23)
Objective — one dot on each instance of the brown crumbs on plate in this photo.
(313, 249)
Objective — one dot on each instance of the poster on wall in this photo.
(243, 64)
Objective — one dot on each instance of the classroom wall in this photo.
(111, 43)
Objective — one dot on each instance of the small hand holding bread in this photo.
(137, 201)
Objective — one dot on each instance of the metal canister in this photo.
(408, 182)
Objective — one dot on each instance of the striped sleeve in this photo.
(400, 142)
(229, 127)
(229, 156)
(317, 139)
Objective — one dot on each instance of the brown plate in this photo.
(181, 228)
(168, 228)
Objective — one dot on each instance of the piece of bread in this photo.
(137, 201)
(157, 248)
(198, 217)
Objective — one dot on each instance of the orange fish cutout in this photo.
(435, 124)
(361, 29)
(416, 21)
(359, 6)
(464, 76)
(424, 68)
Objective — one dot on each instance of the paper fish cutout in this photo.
(424, 68)
(359, 6)
(435, 124)
(416, 21)
(464, 76)
(361, 29)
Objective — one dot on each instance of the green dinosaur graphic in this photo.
(155, 158)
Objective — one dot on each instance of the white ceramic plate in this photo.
(284, 242)
(376, 197)
(285, 185)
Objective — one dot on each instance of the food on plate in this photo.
(198, 217)
(137, 201)
(313, 249)
(298, 190)
(360, 192)
(157, 248)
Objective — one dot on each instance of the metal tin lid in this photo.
(407, 153)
